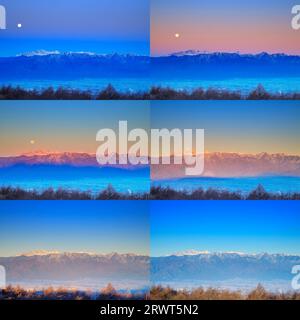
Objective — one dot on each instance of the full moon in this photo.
(19, 25)
(32, 141)
(177, 35)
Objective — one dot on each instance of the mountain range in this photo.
(224, 164)
(63, 266)
(221, 65)
(184, 266)
(219, 266)
(44, 64)
(71, 171)
(76, 159)
(216, 164)
(72, 65)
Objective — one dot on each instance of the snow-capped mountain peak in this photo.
(226, 54)
(75, 54)
(39, 253)
(39, 53)
(192, 252)
(189, 252)
(187, 53)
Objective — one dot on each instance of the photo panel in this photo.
(72, 150)
(75, 249)
(224, 249)
(248, 150)
(225, 49)
(83, 49)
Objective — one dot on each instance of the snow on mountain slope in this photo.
(38, 53)
(190, 252)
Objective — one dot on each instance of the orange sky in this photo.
(261, 26)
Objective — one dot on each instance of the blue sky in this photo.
(125, 226)
(124, 26)
(94, 226)
(245, 226)
(76, 25)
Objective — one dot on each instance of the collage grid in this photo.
(149, 150)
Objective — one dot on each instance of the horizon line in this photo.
(46, 152)
(186, 52)
(179, 253)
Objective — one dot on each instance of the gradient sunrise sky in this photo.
(71, 126)
(64, 126)
(104, 26)
(223, 25)
(235, 126)
(74, 226)
(218, 226)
